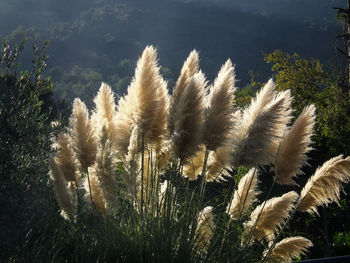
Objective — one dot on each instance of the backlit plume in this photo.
(245, 195)
(288, 249)
(294, 147)
(219, 109)
(188, 118)
(83, 139)
(272, 215)
(325, 185)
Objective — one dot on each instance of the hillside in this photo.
(101, 40)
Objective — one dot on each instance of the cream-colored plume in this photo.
(145, 105)
(245, 195)
(96, 192)
(124, 123)
(288, 249)
(294, 147)
(194, 165)
(104, 171)
(255, 143)
(263, 97)
(205, 229)
(105, 112)
(188, 118)
(273, 214)
(66, 195)
(64, 157)
(189, 68)
(82, 134)
(217, 162)
(218, 119)
(151, 95)
(325, 185)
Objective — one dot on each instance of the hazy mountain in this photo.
(90, 40)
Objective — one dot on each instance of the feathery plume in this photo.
(83, 140)
(104, 170)
(263, 97)
(254, 144)
(64, 157)
(205, 229)
(124, 123)
(219, 161)
(194, 165)
(245, 195)
(188, 118)
(273, 215)
(189, 68)
(96, 192)
(145, 105)
(219, 109)
(288, 249)
(325, 185)
(149, 89)
(105, 111)
(294, 147)
(65, 192)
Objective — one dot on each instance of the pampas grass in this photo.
(64, 157)
(294, 147)
(146, 165)
(83, 139)
(218, 120)
(325, 185)
(267, 218)
(205, 229)
(188, 118)
(65, 191)
(288, 249)
(105, 112)
(255, 142)
(245, 195)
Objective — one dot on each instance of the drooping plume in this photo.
(218, 119)
(64, 157)
(325, 185)
(105, 112)
(188, 118)
(188, 70)
(205, 229)
(65, 192)
(273, 215)
(294, 147)
(245, 195)
(256, 142)
(82, 134)
(288, 249)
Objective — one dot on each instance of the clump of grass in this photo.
(145, 165)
